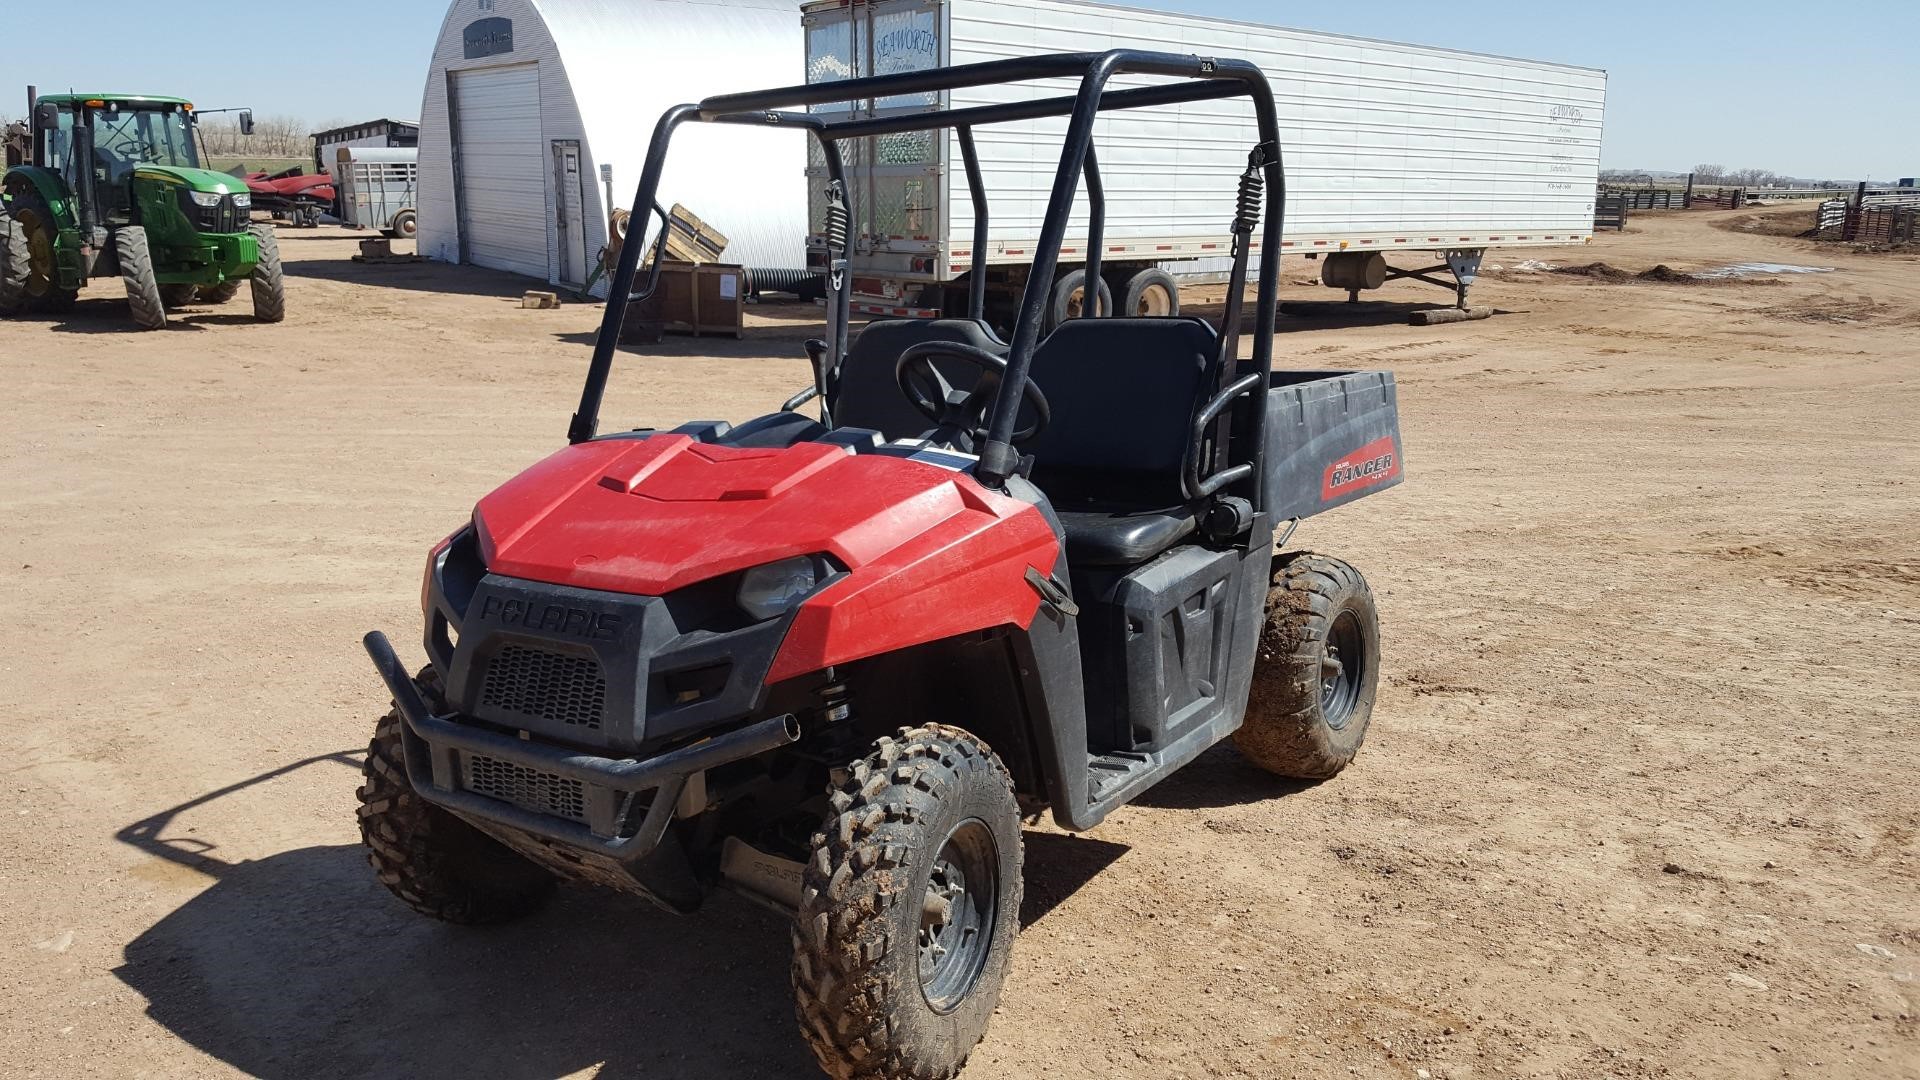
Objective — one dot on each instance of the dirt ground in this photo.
(1640, 798)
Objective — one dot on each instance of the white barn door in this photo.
(501, 166)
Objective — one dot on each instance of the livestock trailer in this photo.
(1433, 155)
(378, 188)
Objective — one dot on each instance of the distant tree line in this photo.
(1720, 175)
(273, 137)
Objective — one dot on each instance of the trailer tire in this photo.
(1317, 670)
(13, 266)
(136, 269)
(1069, 297)
(219, 294)
(910, 828)
(437, 864)
(1152, 293)
(406, 225)
(178, 296)
(268, 282)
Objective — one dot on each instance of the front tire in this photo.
(177, 296)
(909, 908)
(437, 864)
(268, 282)
(149, 310)
(1317, 671)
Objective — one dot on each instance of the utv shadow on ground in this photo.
(301, 965)
(1219, 778)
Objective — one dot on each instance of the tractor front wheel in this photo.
(1317, 671)
(439, 865)
(268, 282)
(136, 269)
(909, 907)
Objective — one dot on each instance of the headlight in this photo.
(776, 588)
(208, 199)
(243, 201)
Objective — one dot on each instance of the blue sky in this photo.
(1775, 85)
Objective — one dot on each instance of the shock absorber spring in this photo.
(837, 218)
(1247, 209)
(832, 737)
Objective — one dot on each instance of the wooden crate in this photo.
(692, 299)
(690, 240)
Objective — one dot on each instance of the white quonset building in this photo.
(531, 104)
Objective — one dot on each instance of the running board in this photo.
(1113, 780)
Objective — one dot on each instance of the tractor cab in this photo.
(116, 187)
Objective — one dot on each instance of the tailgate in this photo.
(1332, 437)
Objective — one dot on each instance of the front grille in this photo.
(556, 687)
(528, 789)
(222, 217)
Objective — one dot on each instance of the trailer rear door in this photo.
(895, 179)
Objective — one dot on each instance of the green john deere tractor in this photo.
(115, 187)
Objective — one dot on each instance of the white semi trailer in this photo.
(1431, 155)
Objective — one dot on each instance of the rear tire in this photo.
(1152, 293)
(34, 222)
(437, 864)
(1317, 671)
(136, 269)
(406, 225)
(1069, 296)
(178, 296)
(13, 266)
(909, 908)
(268, 281)
(219, 294)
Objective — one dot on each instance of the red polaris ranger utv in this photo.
(830, 661)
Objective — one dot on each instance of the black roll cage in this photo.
(1208, 79)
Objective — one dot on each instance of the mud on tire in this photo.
(921, 844)
(437, 864)
(1316, 672)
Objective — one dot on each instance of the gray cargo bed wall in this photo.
(1332, 437)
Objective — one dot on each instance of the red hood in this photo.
(652, 515)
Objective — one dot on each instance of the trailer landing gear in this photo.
(1357, 271)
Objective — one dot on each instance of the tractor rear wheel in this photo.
(40, 282)
(13, 266)
(136, 269)
(1317, 670)
(218, 294)
(439, 865)
(268, 282)
(178, 296)
(909, 907)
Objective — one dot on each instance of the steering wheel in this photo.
(961, 411)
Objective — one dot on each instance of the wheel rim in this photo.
(1076, 303)
(1342, 667)
(1154, 302)
(957, 915)
(40, 268)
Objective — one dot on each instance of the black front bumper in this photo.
(436, 745)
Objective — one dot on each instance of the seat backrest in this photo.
(1123, 394)
(869, 397)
